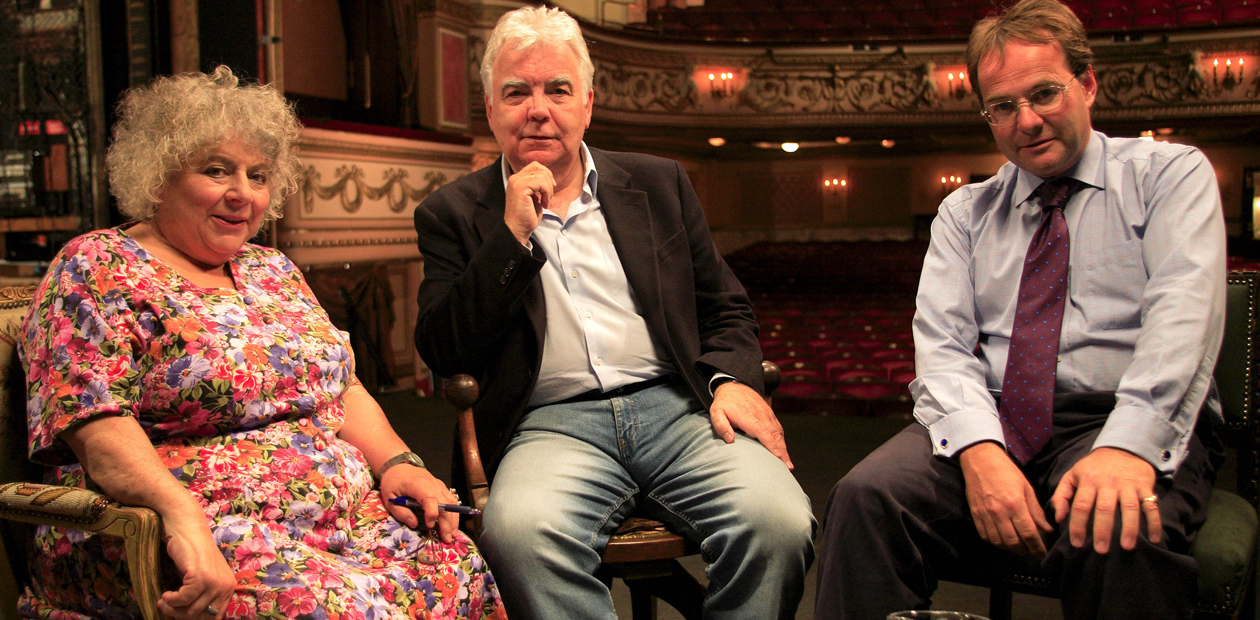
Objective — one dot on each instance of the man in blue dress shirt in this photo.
(1111, 499)
(617, 353)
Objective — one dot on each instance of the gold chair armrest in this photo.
(81, 509)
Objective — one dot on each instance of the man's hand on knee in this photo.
(737, 406)
(1003, 505)
(1096, 485)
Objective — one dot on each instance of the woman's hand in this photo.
(367, 429)
(118, 456)
(208, 582)
(420, 485)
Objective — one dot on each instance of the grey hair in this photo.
(162, 126)
(529, 26)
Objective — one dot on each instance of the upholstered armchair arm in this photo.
(81, 509)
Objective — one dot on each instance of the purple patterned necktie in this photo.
(1032, 359)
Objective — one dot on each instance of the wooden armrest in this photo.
(462, 392)
(81, 509)
(771, 376)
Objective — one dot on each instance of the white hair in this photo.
(167, 123)
(529, 26)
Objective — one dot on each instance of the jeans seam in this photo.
(704, 536)
(612, 509)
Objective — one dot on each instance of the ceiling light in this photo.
(843, 139)
(1164, 131)
(717, 141)
(790, 147)
(887, 143)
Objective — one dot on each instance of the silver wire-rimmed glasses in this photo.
(1043, 100)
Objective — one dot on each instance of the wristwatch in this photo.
(410, 458)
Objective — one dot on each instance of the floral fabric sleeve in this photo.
(77, 345)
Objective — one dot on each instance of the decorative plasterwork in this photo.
(363, 177)
(643, 83)
(320, 242)
(395, 191)
(644, 89)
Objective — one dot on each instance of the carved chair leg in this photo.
(1000, 602)
(642, 603)
(679, 589)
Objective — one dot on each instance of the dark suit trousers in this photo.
(899, 521)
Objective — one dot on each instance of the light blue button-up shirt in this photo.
(1146, 297)
(596, 337)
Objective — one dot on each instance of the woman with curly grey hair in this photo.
(175, 365)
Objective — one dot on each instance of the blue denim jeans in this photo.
(574, 471)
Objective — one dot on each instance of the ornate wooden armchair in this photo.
(24, 502)
(642, 552)
(1226, 545)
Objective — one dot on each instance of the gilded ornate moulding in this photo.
(1173, 76)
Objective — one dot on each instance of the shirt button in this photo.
(588, 314)
(249, 300)
(573, 273)
(944, 443)
(512, 264)
(502, 279)
(1165, 455)
(599, 361)
(564, 232)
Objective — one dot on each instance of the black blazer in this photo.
(482, 309)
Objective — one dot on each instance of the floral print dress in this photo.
(240, 393)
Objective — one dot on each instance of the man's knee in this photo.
(778, 528)
(516, 531)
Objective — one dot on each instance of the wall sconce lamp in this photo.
(720, 84)
(835, 184)
(962, 89)
(951, 183)
(1231, 78)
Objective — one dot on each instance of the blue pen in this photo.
(407, 502)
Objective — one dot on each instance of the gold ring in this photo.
(1151, 499)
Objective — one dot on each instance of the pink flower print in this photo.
(320, 573)
(254, 553)
(296, 601)
(220, 459)
(291, 462)
(94, 250)
(245, 380)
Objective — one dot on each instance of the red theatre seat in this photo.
(801, 386)
(1244, 11)
(866, 388)
(1154, 18)
(1110, 21)
(1201, 14)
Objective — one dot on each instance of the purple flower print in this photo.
(187, 371)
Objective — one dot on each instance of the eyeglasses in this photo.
(1042, 101)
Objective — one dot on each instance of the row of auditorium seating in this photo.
(829, 353)
(914, 20)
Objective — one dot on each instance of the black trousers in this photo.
(900, 520)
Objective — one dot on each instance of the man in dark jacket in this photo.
(617, 352)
